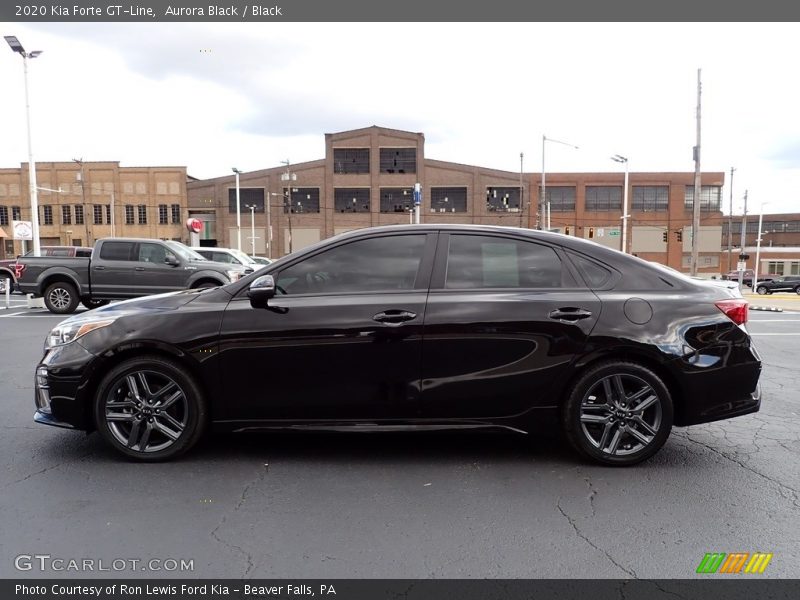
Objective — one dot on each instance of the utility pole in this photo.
(697, 188)
(730, 227)
(79, 162)
(289, 177)
(744, 231)
(521, 203)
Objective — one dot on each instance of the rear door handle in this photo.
(394, 316)
(139, 269)
(569, 313)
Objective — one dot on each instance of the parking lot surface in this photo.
(403, 505)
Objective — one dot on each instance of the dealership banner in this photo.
(741, 588)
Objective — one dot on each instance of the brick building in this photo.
(79, 202)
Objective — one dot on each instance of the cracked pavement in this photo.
(406, 506)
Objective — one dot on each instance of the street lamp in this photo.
(17, 47)
(624, 242)
(238, 212)
(252, 208)
(269, 223)
(544, 186)
(758, 244)
(289, 177)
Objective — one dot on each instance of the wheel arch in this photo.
(58, 277)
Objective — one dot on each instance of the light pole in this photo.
(758, 245)
(252, 208)
(730, 225)
(237, 172)
(744, 239)
(624, 242)
(269, 224)
(17, 47)
(289, 177)
(543, 200)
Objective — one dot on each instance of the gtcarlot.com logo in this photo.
(737, 562)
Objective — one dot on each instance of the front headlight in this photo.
(234, 275)
(66, 332)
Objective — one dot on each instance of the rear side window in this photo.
(476, 261)
(223, 257)
(386, 263)
(594, 274)
(116, 251)
(83, 252)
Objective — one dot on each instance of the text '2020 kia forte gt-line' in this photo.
(419, 327)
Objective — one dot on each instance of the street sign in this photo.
(613, 233)
(741, 266)
(600, 232)
(23, 230)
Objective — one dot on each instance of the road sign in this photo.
(613, 233)
(23, 230)
(741, 266)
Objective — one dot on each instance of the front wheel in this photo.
(61, 298)
(149, 409)
(618, 413)
(761, 290)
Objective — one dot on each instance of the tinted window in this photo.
(594, 274)
(493, 262)
(116, 250)
(83, 252)
(375, 264)
(152, 253)
(223, 257)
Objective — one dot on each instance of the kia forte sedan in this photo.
(412, 327)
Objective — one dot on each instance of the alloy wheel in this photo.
(620, 414)
(146, 411)
(60, 298)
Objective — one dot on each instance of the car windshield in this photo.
(184, 251)
(242, 257)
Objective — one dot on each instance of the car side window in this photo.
(116, 250)
(223, 257)
(479, 261)
(386, 263)
(152, 253)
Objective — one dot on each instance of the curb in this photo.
(767, 308)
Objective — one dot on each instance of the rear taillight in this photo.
(735, 309)
(19, 269)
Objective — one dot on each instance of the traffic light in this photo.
(566, 230)
(680, 235)
(664, 236)
(591, 232)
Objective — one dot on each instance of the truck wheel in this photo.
(61, 298)
(92, 303)
(205, 285)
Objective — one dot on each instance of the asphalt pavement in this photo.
(399, 505)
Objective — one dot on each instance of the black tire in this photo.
(797, 290)
(61, 298)
(761, 290)
(183, 413)
(615, 436)
(206, 284)
(92, 303)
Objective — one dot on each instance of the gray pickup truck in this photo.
(119, 268)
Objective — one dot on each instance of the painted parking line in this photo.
(764, 334)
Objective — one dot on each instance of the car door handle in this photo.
(569, 313)
(394, 316)
(99, 268)
(139, 269)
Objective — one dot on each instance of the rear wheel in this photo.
(618, 413)
(205, 285)
(761, 290)
(149, 409)
(61, 298)
(797, 290)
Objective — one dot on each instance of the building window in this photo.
(48, 214)
(247, 197)
(142, 209)
(502, 199)
(163, 217)
(603, 197)
(304, 200)
(703, 261)
(129, 214)
(775, 267)
(16, 213)
(651, 197)
(710, 196)
(561, 198)
(3, 215)
(176, 214)
(79, 214)
(351, 199)
(350, 160)
(397, 200)
(794, 267)
(66, 214)
(98, 214)
(449, 199)
(108, 214)
(398, 160)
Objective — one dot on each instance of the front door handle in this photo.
(139, 269)
(394, 316)
(569, 313)
(99, 268)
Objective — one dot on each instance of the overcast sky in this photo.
(214, 96)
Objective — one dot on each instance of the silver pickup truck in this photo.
(119, 268)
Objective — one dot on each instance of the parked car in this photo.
(262, 260)
(424, 327)
(119, 268)
(230, 256)
(731, 287)
(747, 277)
(789, 283)
(8, 267)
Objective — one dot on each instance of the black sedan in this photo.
(412, 327)
(790, 283)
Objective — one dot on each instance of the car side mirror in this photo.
(171, 260)
(261, 290)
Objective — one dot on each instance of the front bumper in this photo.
(61, 391)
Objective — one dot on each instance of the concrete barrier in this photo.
(35, 302)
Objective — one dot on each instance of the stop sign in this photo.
(194, 225)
